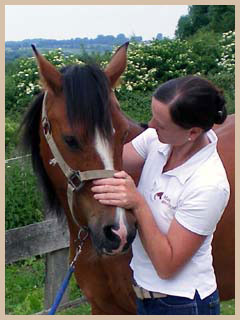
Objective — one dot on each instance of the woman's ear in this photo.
(194, 133)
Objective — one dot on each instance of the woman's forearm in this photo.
(154, 241)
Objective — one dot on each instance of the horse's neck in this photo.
(134, 129)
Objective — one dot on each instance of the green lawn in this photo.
(25, 289)
(228, 307)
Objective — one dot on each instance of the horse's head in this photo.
(81, 119)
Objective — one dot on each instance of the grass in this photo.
(228, 307)
(25, 291)
(24, 287)
(83, 309)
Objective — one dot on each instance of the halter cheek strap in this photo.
(75, 178)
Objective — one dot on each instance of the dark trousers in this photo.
(174, 305)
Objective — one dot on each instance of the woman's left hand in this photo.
(119, 191)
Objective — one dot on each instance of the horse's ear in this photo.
(117, 64)
(50, 76)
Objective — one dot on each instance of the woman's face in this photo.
(168, 132)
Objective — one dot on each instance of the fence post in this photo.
(56, 266)
(56, 269)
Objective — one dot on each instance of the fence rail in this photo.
(17, 158)
(48, 237)
(35, 239)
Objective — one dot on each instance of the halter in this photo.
(75, 178)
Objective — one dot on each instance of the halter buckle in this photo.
(75, 181)
(46, 126)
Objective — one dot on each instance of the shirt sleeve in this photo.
(142, 142)
(200, 210)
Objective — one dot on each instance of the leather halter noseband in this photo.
(75, 178)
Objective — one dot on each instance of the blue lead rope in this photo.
(82, 236)
(61, 290)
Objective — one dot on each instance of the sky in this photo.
(79, 21)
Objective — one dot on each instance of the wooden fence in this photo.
(48, 237)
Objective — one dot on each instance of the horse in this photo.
(76, 132)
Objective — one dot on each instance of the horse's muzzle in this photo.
(113, 238)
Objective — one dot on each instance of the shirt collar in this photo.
(184, 171)
(164, 149)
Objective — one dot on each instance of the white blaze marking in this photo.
(104, 150)
(122, 231)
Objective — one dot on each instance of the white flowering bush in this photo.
(155, 62)
(226, 62)
(224, 78)
(27, 78)
(150, 64)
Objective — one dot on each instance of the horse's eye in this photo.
(71, 142)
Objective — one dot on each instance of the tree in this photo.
(208, 17)
(184, 27)
(222, 18)
(195, 20)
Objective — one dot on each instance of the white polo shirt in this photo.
(196, 194)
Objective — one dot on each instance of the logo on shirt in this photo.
(164, 199)
(158, 195)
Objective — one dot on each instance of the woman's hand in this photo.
(119, 191)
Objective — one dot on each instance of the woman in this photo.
(182, 193)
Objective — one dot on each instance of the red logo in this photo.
(158, 195)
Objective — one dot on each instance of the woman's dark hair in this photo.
(193, 102)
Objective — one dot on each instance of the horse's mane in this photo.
(86, 91)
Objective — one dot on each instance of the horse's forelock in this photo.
(86, 90)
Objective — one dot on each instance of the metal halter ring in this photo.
(81, 242)
(82, 230)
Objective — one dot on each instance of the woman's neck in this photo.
(180, 154)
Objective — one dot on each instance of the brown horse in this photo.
(76, 132)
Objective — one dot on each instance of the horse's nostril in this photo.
(110, 235)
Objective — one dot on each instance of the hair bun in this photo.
(218, 117)
(221, 113)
